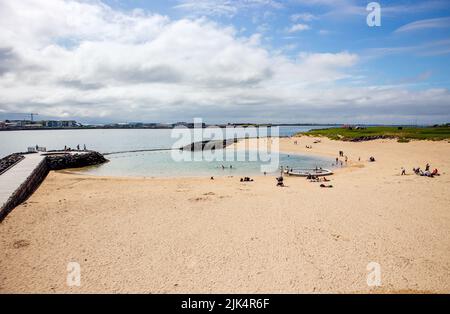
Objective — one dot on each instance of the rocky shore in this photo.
(369, 138)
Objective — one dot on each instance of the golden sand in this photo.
(195, 235)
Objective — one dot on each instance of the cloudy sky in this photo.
(226, 61)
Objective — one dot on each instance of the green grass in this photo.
(403, 135)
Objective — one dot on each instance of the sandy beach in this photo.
(196, 235)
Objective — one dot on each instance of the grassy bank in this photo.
(403, 134)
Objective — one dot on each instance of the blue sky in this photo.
(293, 60)
(423, 56)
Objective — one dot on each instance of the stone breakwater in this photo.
(50, 161)
(9, 161)
(209, 145)
(66, 161)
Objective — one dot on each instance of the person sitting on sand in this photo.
(435, 172)
(427, 167)
(372, 159)
(403, 171)
(280, 181)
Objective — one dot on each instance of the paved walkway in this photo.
(12, 179)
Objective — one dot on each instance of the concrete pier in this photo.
(22, 179)
(16, 176)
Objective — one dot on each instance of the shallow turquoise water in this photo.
(161, 164)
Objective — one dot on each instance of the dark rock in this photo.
(66, 161)
(369, 138)
(9, 161)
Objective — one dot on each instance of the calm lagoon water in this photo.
(160, 164)
(148, 163)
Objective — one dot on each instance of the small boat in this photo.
(307, 172)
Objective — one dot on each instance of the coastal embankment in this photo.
(23, 173)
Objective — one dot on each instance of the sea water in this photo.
(147, 163)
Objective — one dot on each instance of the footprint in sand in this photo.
(20, 244)
(198, 199)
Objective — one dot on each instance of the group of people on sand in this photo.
(314, 178)
(426, 173)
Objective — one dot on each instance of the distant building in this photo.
(51, 124)
(69, 124)
(12, 124)
(59, 123)
(187, 125)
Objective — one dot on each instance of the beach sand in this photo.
(195, 235)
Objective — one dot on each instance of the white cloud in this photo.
(84, 59)
(224, 7)
(307, 17)
(425, 24)
(298, 28)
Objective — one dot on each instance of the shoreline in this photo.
(79, 171)
(194, 235)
